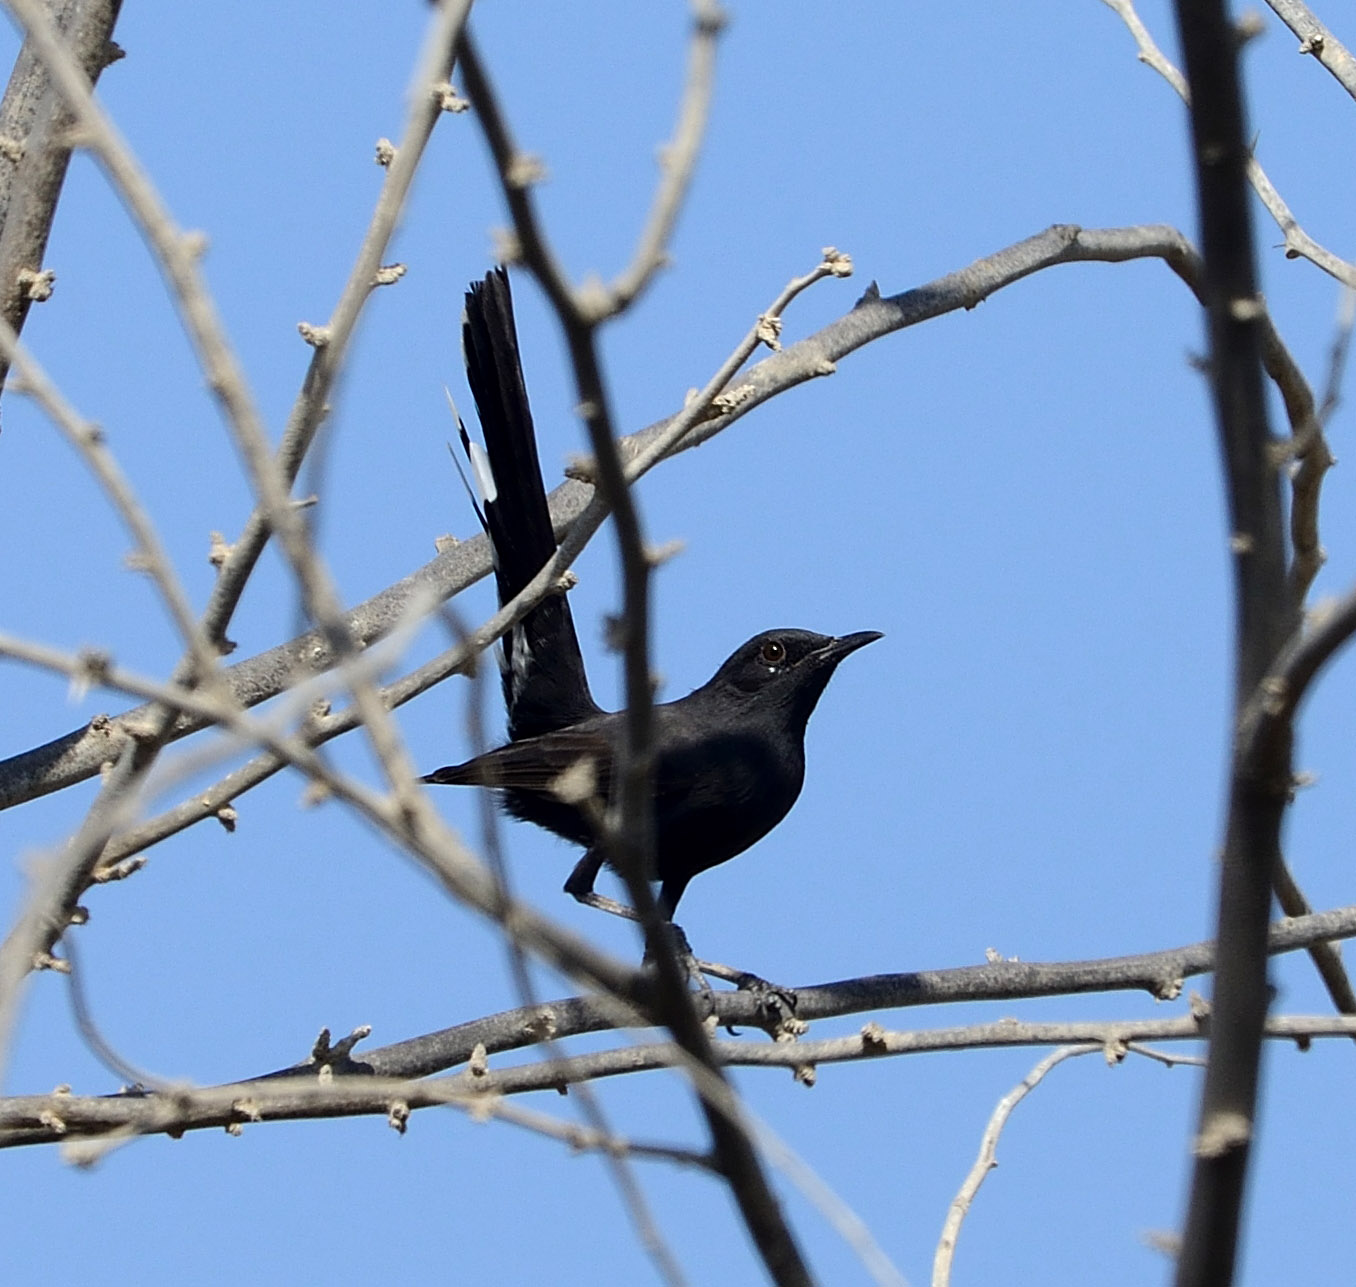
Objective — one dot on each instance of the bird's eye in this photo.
(773, 652)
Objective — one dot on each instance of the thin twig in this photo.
(177, 255)
(426, 105)
(89, 440)
(988, 1158)
(677, 160)
(1298, 243)
(419, 830)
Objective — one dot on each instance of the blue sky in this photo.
(1024, 497)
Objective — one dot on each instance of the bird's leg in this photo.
(580, 886)
(687, 962)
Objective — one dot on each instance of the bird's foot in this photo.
(776, 1005)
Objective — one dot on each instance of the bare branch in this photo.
(988, 1158)
(25, 1120)
(677, 160)
(1317, 40)
(427, 101)
(1160, 974)
(1298, 243)
(34, 125)
(175, 252)
(1260, 780)
(68, 1118)
(150, 553)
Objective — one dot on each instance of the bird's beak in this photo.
(836, 649)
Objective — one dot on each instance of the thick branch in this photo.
(1260, 784)
(1317, 40)
(1161, 974)
(34, 152)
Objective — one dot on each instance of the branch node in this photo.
(316, 336)
(769, 331)
(1222, 1134)
(1246, 309)
(398, 1116)
(1249, 27)
(46, 961)
(1274, 691)
(873, 1039)
(711, 20)
(195, 244)
(227, 816)
(523, 170)
(543, 1025)
(93, 665)
(448, 100)
(388, 274)
(593, 301)
(583, 469)
(36, 284)
(326, 1055)
(386, 152)
(218, 549)
(731, 398)
(1168, 989)
(119, 870)
(508, 249)
(657, 555)
(838, 262)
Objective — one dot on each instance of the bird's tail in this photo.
(545, 687)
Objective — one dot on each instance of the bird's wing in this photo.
(566, 762)
(545, 687)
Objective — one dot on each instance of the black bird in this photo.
(729, 757)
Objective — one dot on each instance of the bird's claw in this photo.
(776, 1004)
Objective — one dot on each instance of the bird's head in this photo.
(787, 669)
